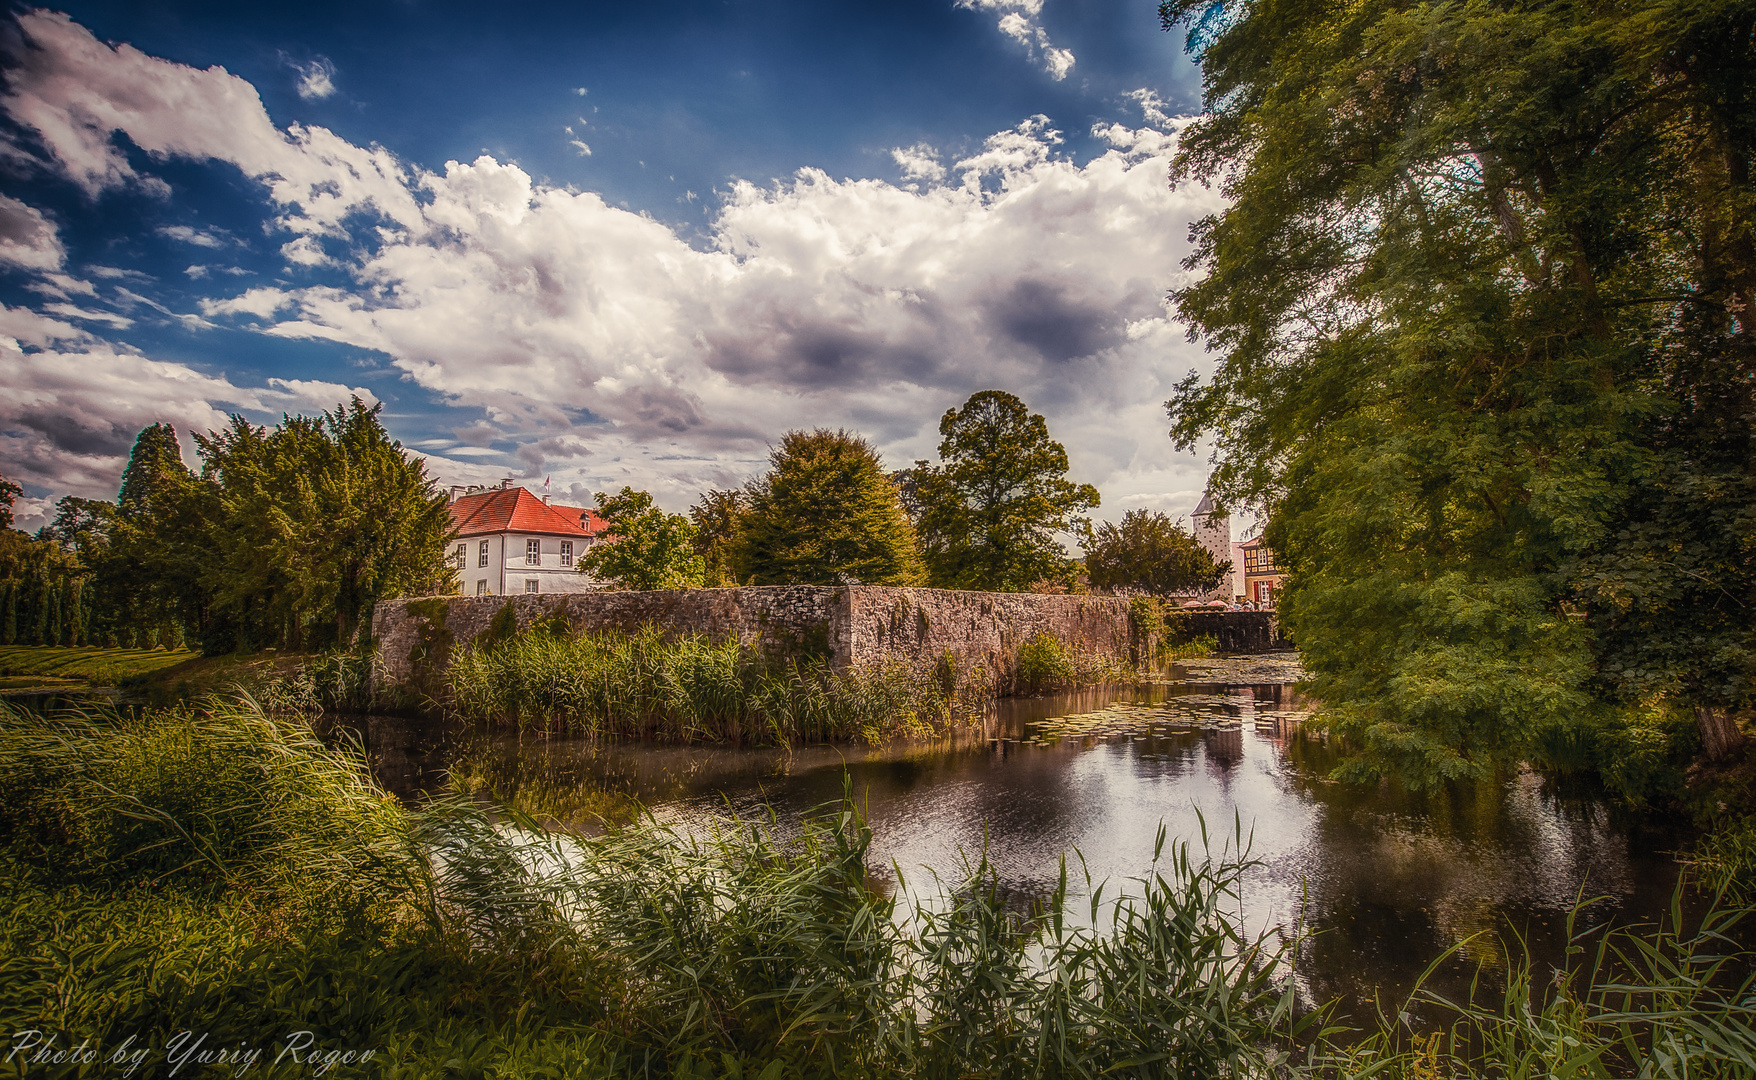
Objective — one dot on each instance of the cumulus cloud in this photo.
(78, 92)
(918, 162)
(585, 333)
(1020, 21)
(27, 238)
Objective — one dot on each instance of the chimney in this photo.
(545, 500)
(506, 482)
(456, 490)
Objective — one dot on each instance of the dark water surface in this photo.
(1388, 878)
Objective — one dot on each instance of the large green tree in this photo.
(318, 519)
(989, 511)
(1153, 554)
(1483, 298)
(825, 513)
(719, 520)
(645, 548)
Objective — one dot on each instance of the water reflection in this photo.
(1388, 877)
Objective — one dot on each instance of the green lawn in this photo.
(91, 666)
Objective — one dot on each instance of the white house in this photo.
(511, 541)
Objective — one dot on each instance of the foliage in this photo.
(1482, 294)
(288, 538)
(644, 547)
(309, 525)
(1152, 554)
(692, 688)
(719, 520)
(989, 510)
(826, 514)
(1676, 1000)
(46, 598)
(1044, 665)
(9, 490)
(451, 941)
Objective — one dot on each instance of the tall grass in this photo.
(219, 870)
(694, 689)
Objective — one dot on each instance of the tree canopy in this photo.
(826, 513)
(989, 511)
(1152, 554)
(1483, 298)
(645, 548)
(288, 537)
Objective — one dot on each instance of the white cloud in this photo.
(27, 238)
(188, 235)
(305, 251)
(1019, 20)
(262, 303)
(918, 162)
(597, 337)
(316, 79)
(584, 150)
(77, 92)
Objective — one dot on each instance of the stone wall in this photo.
(860, 626)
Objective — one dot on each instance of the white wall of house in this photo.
(509, 570)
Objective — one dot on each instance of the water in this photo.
(1388, 879)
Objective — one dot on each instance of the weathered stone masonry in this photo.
(859, 626)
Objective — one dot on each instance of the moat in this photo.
(1387, 879)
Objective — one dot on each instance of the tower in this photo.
(1213, 531)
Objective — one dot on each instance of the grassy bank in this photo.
(221, 871)
(694, 689)
(50, 666)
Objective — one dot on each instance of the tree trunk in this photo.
(1720, 736)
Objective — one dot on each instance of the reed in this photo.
(152, 871)
(694, 689)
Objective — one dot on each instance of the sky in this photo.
(594, 245)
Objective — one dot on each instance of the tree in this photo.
(990, 510)
(81, 526)
(8, 492)
(1150, 553)
(313, 523)
(644, 548)
(826, 514)
(1483, 294)
(719, 520)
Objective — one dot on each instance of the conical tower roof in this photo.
(1204, 507)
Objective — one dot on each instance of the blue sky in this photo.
(603, 244)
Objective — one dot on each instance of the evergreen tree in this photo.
(1483, 291)
(826, 513)
(8, 492)
(989, 512)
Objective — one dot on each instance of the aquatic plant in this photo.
(151, 867)
(692, 688)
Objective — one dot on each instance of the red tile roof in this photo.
(517, 510)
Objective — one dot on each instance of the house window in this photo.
(483, 561)
(566, 553)
(462, 556)
(482, 587)
(530, 584)
(533, 555)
